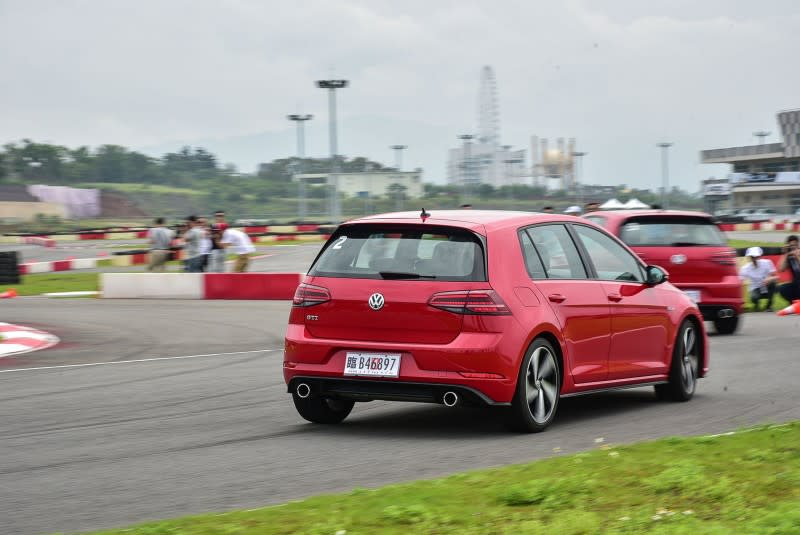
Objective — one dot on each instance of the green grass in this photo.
(743, 244)
(40, 283)
(748, 482)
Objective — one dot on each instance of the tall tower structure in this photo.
(488, 110)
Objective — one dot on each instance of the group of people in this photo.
(762, 275)
(205, 245)
(575, 209)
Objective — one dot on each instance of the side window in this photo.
(557, 252)
(610, 259)
(532, 261)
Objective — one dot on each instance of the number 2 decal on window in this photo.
(339, 243)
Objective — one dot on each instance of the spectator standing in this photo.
(219, 220)
(241, 245)
(160, 239)
(548, 210)
(206, 245)
(217, 257)
(790, 261)
(192, 240)
(761, 276)
(591, 207)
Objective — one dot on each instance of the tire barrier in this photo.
(9, 268)
(250, 286)
(766, 227)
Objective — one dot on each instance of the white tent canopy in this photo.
(635, 204)
(612, 204)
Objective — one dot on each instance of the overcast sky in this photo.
(618, 75)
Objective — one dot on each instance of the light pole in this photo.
(398, 156)
(578, 168)
(761, 134)
(467, 161)
(332, 86)
(301, 153)
(664, 173)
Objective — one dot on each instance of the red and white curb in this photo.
(16, 339)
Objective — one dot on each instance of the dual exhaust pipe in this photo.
(726, 313)
(449, 398)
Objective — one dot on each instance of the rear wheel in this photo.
(727, 325)
(323, 410)
(685, 366)
(536, 398)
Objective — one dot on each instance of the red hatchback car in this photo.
(693, 249)
(492, 308)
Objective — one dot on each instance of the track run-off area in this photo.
(157, 409)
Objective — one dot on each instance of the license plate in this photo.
(372, 364)
(694, 295)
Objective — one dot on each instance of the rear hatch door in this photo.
(691, 248)
(381, 278)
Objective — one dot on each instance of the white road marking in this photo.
(152, 359)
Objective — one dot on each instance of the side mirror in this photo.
(656, 275)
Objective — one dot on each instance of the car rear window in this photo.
(405, 253)
(675, 231)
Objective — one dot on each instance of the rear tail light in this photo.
(307, 295)
(726, 258)
(483, 302)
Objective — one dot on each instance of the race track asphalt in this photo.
(111, 442)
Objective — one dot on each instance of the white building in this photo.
(369, 184)
(486, 163)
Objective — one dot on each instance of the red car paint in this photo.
(608, 334)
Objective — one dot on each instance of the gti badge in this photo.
(678, 259)
(376, 301)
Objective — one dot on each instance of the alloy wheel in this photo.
(541, 386)
(690, 360)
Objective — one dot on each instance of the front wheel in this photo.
(726, 325)
(538, 384)
(323, 410)
(685, 366)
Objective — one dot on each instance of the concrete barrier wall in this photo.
(151, 285)
(254, 286)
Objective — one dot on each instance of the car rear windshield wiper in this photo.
(403, 275)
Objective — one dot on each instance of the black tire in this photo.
(323, 410)
(685, 366)
(726, 325)
(538, 389)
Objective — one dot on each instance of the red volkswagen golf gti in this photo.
(692, 248)
(494, 308)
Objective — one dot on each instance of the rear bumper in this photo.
(717, 296)
(437, 367)
(369, 390)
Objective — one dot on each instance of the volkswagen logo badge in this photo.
(678, 259)
(376, 301)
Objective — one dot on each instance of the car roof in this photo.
(470, 219)
(627, 214)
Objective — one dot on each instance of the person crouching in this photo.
(761, 275)
(240, 244)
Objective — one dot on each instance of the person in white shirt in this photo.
(241, 245)
(761, 275)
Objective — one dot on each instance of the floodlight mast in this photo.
(664, 173)
(332, 86)
(299, 120)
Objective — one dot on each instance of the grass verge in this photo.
(39, 283)
(744, 244)
(748, 482)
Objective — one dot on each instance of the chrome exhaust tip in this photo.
(450, 399)
(303, 391)
(726, 313)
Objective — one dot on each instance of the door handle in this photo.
(556, 298)
(615, 297)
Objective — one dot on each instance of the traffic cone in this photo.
(794, 308)
(8, 294)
